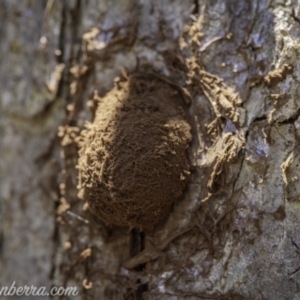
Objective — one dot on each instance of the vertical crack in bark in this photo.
(297, 251)
(60, 59)
(68, 59)
(196, 8)
(56, 245)
(241, 165)
(76, 22)
(137, 245)
(61, 47)
(61, 41)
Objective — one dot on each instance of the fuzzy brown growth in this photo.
(132, 160)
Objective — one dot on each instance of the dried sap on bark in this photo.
(133, 158)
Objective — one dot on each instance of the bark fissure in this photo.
(49, 72)
(61, 90)
(137, 246)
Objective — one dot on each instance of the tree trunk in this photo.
(233, 233)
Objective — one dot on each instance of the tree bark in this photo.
(234, 232)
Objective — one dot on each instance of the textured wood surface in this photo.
(234, 234)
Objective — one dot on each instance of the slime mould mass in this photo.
(132, 160)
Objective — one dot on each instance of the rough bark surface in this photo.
(234, 233)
